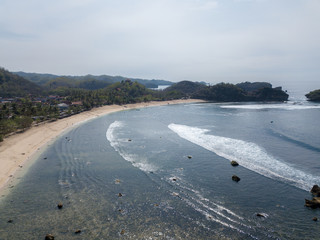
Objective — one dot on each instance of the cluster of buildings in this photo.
(62, 103)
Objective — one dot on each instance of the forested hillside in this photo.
(12, 85)
(89, 82)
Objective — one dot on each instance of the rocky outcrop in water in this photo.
(314, 95)
(314, 203)
(49, 237)
(235, 178)
(234, 163)
(315, 190)
(260, 215)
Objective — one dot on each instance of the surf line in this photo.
(117, 144)
(248, 154)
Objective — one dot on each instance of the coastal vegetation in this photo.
(50, 97)
(314, 95)
(226, 92)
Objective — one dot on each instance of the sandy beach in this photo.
(17, 149)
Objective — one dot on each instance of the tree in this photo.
(23, 122)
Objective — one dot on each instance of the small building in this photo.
(62, 106)
(78, 103)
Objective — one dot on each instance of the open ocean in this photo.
(165, 173)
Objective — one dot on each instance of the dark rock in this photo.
(314, 95)
(129, 140)
(77, 231)
(10, 221)
(234, 163)
(60, 205)
(314, 203)
(315, 190)
(235, 178)
(49, 237)
(315, 219)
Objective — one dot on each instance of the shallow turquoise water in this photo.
(171, 165)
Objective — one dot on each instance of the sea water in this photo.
(165, 173)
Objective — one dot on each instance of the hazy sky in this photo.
(198, 40)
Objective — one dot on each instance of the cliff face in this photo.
(314, 95)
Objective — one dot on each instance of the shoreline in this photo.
(19, 149)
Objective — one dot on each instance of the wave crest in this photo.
(248, 154)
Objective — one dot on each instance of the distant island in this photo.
(314, 95)
(26, 99)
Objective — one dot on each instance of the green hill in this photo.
(183, 89)
(89, 82)
(12, 85)
(64, 82)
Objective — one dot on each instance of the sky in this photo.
(199, 40)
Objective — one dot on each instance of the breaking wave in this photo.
(283, 106)
(117, 144)
(248, 154)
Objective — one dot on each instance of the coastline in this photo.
(16, 151)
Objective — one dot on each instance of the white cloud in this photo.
(206, 40)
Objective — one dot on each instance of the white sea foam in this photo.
(248, 154)
(110, 133)
(283, 106)
(116, 143)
